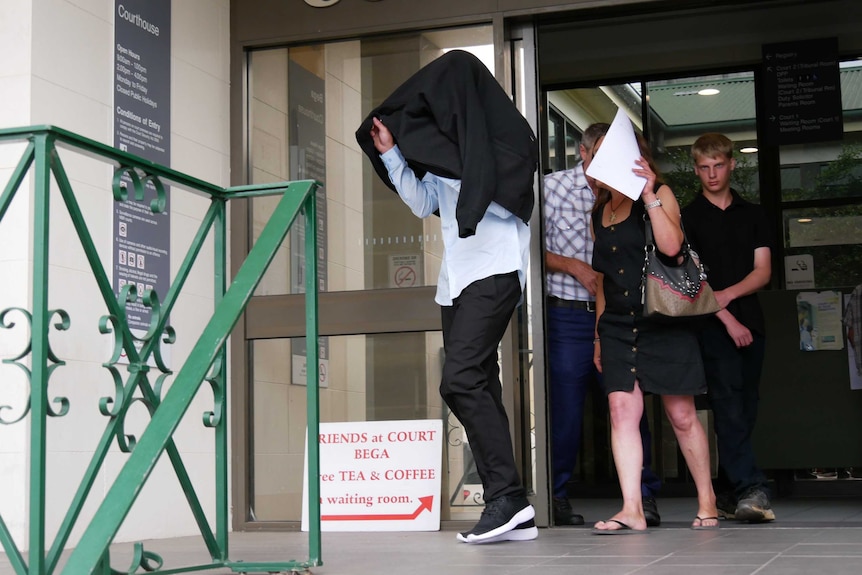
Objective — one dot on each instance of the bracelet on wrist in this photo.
(596, 340)
(652, 205)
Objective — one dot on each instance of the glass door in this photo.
(671, 114)
(381, 345)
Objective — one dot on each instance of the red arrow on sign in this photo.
(424, 503)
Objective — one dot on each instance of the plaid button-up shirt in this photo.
(567, 206)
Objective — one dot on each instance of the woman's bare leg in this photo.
(626, 409)
(695, 448)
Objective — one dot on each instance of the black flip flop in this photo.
(623, 530)
(702, 527)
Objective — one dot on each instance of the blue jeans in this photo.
(571, 373)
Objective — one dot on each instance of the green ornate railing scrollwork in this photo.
(144, 353)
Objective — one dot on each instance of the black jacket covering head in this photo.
(453, 119)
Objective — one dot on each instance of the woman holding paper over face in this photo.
(637, 355)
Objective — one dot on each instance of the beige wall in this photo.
(57, 68)
(382, 377)
(15, 45)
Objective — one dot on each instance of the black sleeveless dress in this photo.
(663, 357)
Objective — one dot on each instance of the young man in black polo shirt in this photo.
(732, 237)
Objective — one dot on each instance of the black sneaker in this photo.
(754, 507)
(726, 505)
(564, 514)
(526, 531)
(501, 514)
(653, 519)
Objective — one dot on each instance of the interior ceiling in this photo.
(681, 104)
(678, 107)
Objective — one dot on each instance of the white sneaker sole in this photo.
(527, 534)
(516, 534)
(521, 516)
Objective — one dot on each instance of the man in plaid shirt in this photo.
(571, 322)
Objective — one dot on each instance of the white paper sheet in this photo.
(613, 163)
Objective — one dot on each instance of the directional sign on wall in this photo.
(802, 89)
(378, 476)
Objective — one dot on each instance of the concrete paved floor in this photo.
(810, 536)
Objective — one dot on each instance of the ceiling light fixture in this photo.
(708, 92)
(748, 150)
(804, 220)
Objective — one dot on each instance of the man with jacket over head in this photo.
(450, 141)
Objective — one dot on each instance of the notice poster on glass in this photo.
(799, 272)
(306, 91)
(853, 329)
(853, 361)
(819, 321)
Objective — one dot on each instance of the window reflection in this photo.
(682, 109)
(369, 240)
(830, 238)
(305, 104)
(827, 177)
(370, 378)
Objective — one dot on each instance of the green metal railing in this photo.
(205, 363)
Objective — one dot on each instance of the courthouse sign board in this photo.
(142, 126)
(378, 476)
(803, 92)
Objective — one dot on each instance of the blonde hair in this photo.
(711, 145)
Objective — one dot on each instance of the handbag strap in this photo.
(685, 250)
(648, 231)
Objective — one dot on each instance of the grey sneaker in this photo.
(726, 504)
(754, 507)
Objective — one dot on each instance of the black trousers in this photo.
(733, 377)
(473, 327)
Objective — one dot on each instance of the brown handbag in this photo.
(671, 290)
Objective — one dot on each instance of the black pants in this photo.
(473, 327)
(733, 377)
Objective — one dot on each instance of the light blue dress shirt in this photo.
(501, 243)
